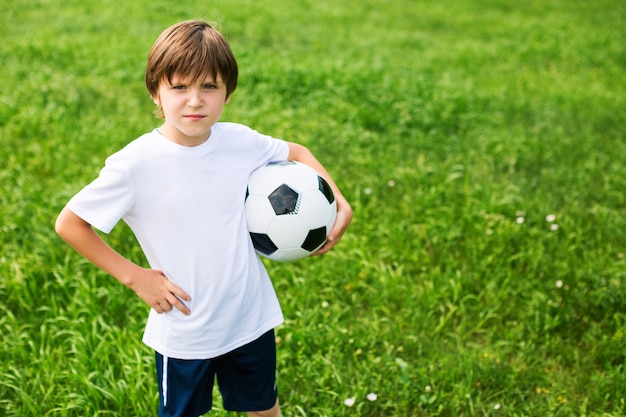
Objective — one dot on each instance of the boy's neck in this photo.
(181, 139)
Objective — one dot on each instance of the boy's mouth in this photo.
(194, 116)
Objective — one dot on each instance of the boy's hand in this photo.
(159, 292)
(344, 211)
(344, 217)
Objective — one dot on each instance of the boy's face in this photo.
(190, 108)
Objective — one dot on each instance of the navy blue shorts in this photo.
(246, 378)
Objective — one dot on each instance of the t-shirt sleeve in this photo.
(257, 149)
(269, 149)
(108, 198)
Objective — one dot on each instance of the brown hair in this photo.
(190, 49)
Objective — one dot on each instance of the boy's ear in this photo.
(155, 99)
(227, 99)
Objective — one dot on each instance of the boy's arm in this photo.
(152, 286)
(344, 211)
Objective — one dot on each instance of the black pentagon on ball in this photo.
(284, 200)
(326, 190)
(314, 239)
(263, 243)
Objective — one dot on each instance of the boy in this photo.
(181, 188)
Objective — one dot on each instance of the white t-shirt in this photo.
(186, 208)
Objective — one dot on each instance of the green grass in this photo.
(454, 128)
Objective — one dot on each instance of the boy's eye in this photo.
(209, 86)
(178, 87)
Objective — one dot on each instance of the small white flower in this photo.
(349, 402)
(372, 396)
(391, 183)
(550, 218)
(559, 284)
(554, 227)
(519, 220)
(367, 191)
(324, 304)
(497, 407)
(428, 388)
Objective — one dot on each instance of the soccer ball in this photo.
(290, 210)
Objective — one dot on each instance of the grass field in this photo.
(481, 144)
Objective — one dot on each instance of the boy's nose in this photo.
(194, 99)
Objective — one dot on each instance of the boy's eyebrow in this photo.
(177, 79)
